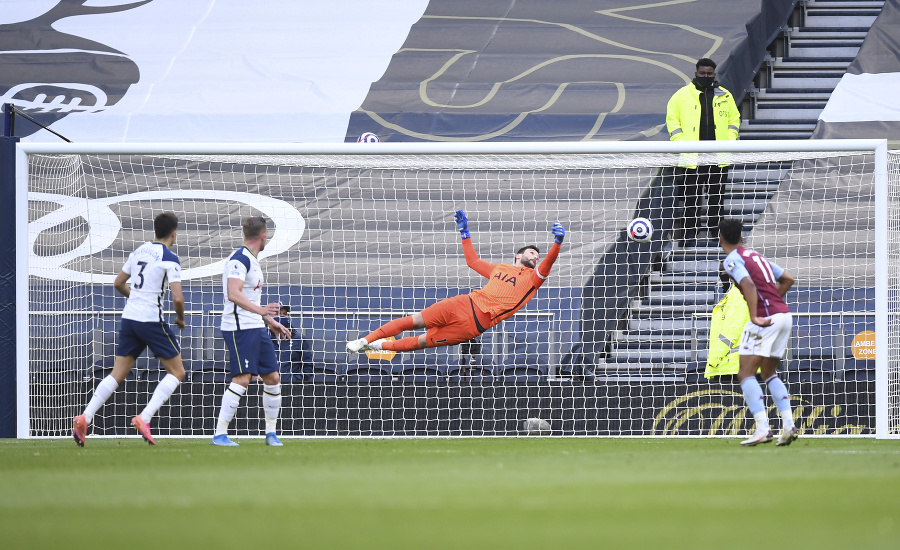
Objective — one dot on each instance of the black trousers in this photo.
(692, 186)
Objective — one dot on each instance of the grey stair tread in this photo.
(860, 29)
(667, 356)
(635, 346)
(683, 336)
(670, 311)
(826, 33)
(670, 278)
(664, 324)
(775, 126)
(700, 302)
(770, 94)
(797, 105)
(751, 134)
(843, 4)
(819, 65)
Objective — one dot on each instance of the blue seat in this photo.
(859, 370)
(423, 366)
(474, 369)
(525, 369)
(808, 370)
(369, 371)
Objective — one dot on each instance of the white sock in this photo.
(762, 421)
(104, 389)
(161, 394)
(230, 401)
(271, 405)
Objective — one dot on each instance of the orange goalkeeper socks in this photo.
(391, 328)
(410, 343)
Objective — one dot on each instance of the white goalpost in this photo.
(613, 344)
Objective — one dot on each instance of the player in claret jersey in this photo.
(143, 280)
(463, 317)
(765, 337)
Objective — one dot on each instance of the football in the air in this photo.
(536, 426)
(640, 230)
(368, 137)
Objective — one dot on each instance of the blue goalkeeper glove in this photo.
(462, 223)
(559, 231)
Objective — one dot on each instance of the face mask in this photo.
(704, 81)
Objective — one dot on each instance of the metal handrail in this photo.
(355, 315)
(839, 335)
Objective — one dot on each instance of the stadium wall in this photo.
(448, 409)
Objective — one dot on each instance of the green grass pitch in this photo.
(450, 493)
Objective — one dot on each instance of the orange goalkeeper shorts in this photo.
(453, 320)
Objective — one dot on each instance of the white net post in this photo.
(613, 344)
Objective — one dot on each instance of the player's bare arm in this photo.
(748, 289)
(277, 328)
(236, 296)
(121, 284)
(785, 282)
(178, 304)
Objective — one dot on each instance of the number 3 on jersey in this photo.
(140, 274)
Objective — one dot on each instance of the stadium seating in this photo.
(859, 370)
(363, 370)
(423, 366)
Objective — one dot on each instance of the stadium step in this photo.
(683, 336)
(823, 42)
(808, 72)
(788, 104)
(658, 277)
(839, 14)
(809, 60)
(661, 324)
(777, 129)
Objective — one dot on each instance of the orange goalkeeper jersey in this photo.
(509, 287)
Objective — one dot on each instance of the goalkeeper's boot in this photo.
(272, 440)
(788, 436)
(376, 345)
(355, 346)
(79, 429)
(759, 436)
(223, 441)
(143, 428)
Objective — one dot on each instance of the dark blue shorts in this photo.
(250, 350)
(135, 336)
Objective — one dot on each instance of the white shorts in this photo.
(770, 341)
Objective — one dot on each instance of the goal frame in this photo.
(877, 147)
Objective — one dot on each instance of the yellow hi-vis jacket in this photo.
(729, 317)
(683, 118)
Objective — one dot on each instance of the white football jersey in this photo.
(151, 267)
(242, 265)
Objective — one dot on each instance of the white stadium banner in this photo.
(212, 70)
(864, 102)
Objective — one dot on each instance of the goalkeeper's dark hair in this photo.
(731, 230)
(526, 247)
(164, 224)
(253, 227)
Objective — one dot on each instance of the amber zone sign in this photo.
(863, 346)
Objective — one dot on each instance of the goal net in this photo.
(615, 343)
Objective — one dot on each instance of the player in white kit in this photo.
(143, 280)
(250, 348)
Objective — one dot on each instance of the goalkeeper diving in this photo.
(463, 317)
